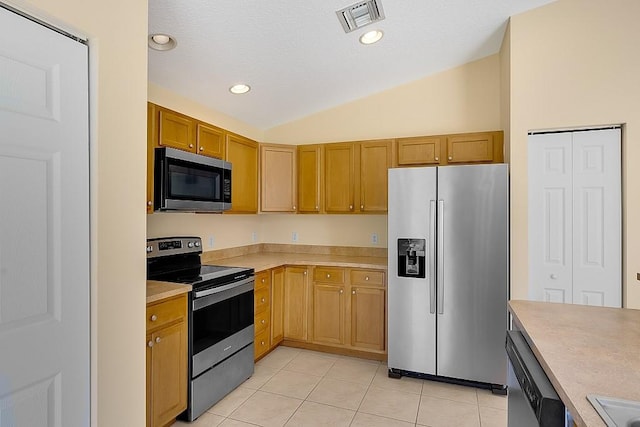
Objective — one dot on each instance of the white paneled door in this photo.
(44, 226)
(575, 217)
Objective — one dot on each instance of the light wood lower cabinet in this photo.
(342, 308)
(166, 360)
(296, 300)
(268, 310)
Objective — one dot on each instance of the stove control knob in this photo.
(190, 244)
(197, 244)
(149, 249)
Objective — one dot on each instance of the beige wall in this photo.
(118, 71)
(576, 63)
(463, 99)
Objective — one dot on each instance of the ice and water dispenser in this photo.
(411, 258)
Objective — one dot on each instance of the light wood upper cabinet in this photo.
(166, 360)
(210, 140)
(470, 148)
(176, 130)
(422, 150)
(278, 183)
(277, 306)
(339, 177)
(152, 137)
(375, 159)
(296, 300)
(309, 178)
(242, 153)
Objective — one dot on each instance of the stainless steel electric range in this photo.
(220, 318)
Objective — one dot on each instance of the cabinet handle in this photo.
(366, 278)
(436, 159)
(190, 145)
(328, 276)
(262, 300)
(361, 207)
(201, 148)
(150, 343)
(350, 207)
(150, 203)
(353, 292)
(263, 321)
(262, 343)
(158, 339)
(450, 158)
(341, 291)
(154, 317)
(317, 208)
(305, 273)
(263, 280)
(294, 207)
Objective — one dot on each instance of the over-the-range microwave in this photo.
(185, 181)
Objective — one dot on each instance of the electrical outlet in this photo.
(254, 237)
(294, 236)
(211, 241)
(374, 238)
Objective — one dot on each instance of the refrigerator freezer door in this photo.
(411, 284)
(472, 328)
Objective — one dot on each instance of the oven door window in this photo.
(214, 323)
(189, 181)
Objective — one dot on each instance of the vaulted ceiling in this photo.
(298, 59)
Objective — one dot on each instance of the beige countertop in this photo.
(157, 291)
(584, 350)
(266, 260)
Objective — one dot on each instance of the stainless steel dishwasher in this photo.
(532, 400)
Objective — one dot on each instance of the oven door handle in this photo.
(204, 293)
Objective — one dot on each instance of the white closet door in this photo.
(44, 227)
(575, 217)
(550, 233)
(597, 276)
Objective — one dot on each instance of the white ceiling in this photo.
(297, 58)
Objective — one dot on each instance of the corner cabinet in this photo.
(242, 153)
(166, 360)
(278, 184)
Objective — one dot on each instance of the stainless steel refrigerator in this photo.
(448, 272)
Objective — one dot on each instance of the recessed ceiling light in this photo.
(239, 88)
(162, 42)
(371, 37)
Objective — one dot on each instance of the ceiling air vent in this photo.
(360, 14)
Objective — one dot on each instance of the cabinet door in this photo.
(176, 131)
(278, 178)
(296, 298)
(368, 318)
(328, 313)
(375, 159)
(277, 306)
(242, 153)
(472, 148)
(309, 178)
(422, 150)
(152, 138)
(168, 373)
(210, 140)
(339, 177)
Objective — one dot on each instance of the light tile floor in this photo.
(296, 387)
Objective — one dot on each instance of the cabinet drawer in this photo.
(367, 277)
(263, 278)
(261, 344)
(328, 275)
(261, 300)
(166, 312)
(262, 322)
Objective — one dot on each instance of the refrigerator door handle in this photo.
(440, 256)
(432, 256)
